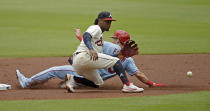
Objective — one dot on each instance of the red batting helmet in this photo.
(122, 35)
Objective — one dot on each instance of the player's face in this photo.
(106, 25)
(116, 41)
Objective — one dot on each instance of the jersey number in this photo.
(99, 42)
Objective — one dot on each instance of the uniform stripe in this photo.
(50, 71)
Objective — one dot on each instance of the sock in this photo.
(128, 83)
(85, 82)
(121, 73)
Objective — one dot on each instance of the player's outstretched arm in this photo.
(142, 77)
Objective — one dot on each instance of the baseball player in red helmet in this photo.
(120, 37)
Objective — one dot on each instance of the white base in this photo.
(5, 87)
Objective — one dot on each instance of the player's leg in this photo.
(57, 72)
(91, 75)
(84, 66)
(85, 82)
(83, 62)
(121, 72)
(106, 61)
(116, 64)
(127, 87)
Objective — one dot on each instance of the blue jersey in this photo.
(111, 49)
(128, 63)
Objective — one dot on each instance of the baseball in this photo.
(189, 74)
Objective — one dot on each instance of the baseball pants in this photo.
(86, 67)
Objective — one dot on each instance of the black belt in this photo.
(77, 53)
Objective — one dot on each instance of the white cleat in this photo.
(22, 79)
(132, 89)
(63, 85)
(70, 83)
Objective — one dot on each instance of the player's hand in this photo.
(78, 34)
(93, 55)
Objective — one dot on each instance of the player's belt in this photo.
(76, 53)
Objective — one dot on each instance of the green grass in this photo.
(32, 28)
(198, 101)
(40, 28)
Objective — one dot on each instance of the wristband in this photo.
(80, 37)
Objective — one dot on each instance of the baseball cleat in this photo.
(70, 83)
(132, 89)
(21, 78)
(62, 84)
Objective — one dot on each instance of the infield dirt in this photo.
(167, 69)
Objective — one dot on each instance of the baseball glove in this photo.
(130, 49)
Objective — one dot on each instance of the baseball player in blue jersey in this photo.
(61, 72)
(120, 37)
